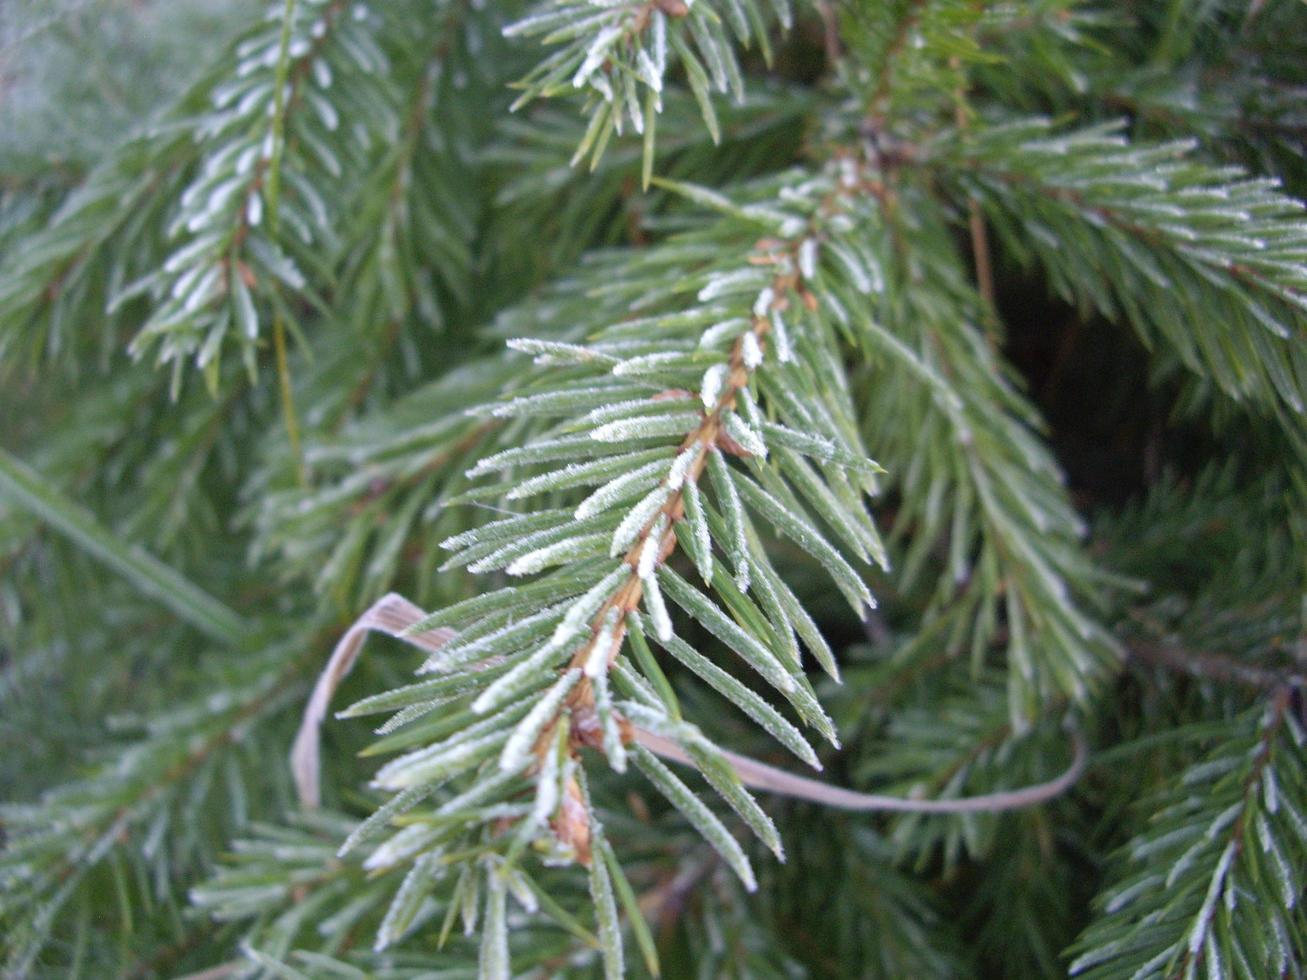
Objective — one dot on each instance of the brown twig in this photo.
(1211, 666)
(394, 614)
(759, 775)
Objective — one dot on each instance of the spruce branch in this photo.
(146, 803)
(397, 617)
(1212, 881)
(985, 520)
(628, 539)
(1206, 259)
(613, 52)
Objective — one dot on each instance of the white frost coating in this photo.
(653, 600)
(517, 750)
(517, 455)
(594, 57)
(633, 104)
(1270, 846)
(808, 258)
(720, 332)
(545, 401)
(528, 25)
(862, 281)
(639, 515)
(613, 747)
(793, 227)
(764, 301)
(745, 435)
(556, 352)
(639, 687)
(403, 845)
(188, 253)
(751, 351)
(645, 427)
(784, 346)
(648, 71)
(552, 554)
(522, 892)
(733, 509)
(1203, 920)
(411, 891)
(499, 529)
(615, 490)
(546, 790)
(681, 467)
(659, 23)
(506, 686)
(624, 409)
(573, 474)
(466, 652)
(586, 606)
(652, 545)
(747, 407)
(703, 819)
(722, 283)
(699, 527)
(254, 209)
(409, 771)
(1270, 790)
(596, 661)
(711, 389)
(494, 935)
(646, 363)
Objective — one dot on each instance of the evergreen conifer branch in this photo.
(63, 277)
(385, 481)
(988, 493)
(224, 252)
(616, 51)
(150, 803)
(1121, 226)
(646, 524)
(898, 929)
(1212, 883)
(758, 310)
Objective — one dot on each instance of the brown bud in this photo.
(572, 825)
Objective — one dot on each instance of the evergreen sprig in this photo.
(1123, 226)
(932, 232)
(651, 427)
(615, 51)
(1212, 883)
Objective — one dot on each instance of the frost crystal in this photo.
(751, 351)
(652, 545)
(808, 258)
(711, 389)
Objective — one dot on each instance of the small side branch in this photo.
(1212, 666)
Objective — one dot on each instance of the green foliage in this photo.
(893, 388)
(1212, 883)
